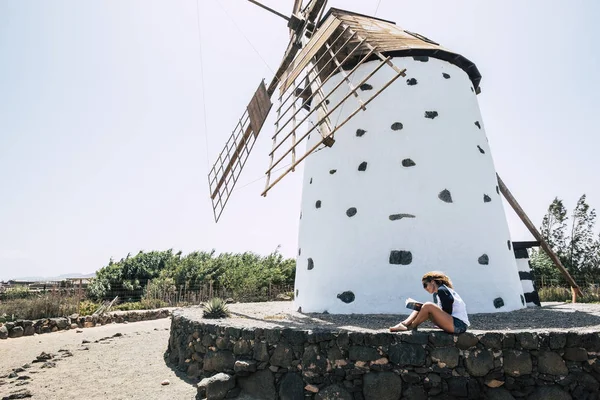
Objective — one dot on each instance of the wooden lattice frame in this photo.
(335, 46)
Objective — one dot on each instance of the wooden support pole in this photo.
(536, 234)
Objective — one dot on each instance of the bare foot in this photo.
(398, 328)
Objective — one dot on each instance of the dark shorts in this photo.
(459, 325)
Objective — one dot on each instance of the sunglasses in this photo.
(425, 284)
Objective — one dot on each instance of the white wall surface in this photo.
(353, 253)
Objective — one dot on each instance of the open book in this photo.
(413, 304)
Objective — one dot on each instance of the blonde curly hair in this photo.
(439, 277)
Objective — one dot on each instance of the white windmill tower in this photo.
(398, 175)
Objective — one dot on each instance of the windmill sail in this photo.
(225, 172)
(347, 48)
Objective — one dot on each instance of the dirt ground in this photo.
(130, 366)
(125, 361)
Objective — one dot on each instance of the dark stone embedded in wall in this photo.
(486, 198)
(431, 114)
(346, 297)
(318, 204)
(310, 181)
(407, 162)
(498, 302)
(533, 297)
(477, 124)
(299, 251)
(522, 299)
(332, 171)
(411, 82)
(445, 75)
(497, 189)
(297, 292)
(472, 90)
(480, 149)
(362, 166)
(421, 58)
(400, 257)
(311, 264)
(300, 214)
(395, 217)
(351, 212)
(483, 259)
(327, 101)
(366, 86)
(525, 275)
(445, 196)
(509, 245)
(396, 126)
(360, 132)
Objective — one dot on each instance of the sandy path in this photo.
(126, 367)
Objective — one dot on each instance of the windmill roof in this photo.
(391, 39)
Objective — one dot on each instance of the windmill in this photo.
(398, 176)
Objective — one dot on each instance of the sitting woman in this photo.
(448, 311)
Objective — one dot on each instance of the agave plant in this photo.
(215, 308)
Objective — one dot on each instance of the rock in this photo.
(479, 362)
(549, 393)
(79, 331)
(217, 386)
(363, 353)
(13, 375)
(466, 341)
(282, 356)
(382, 386)
(49, 364)
(74, 326)
(575, 354)
(494, 383)
(458, 386)
(446, 357)
(492, 340)
(165, 382)
(499, 394)
(282, 297)
(313, 361)
(291, 387)
(242, 347)
(414, 393)
(261, 352)
(527, 340)
(21, 394)
(16, 332)
(407, 354)
(219, 361)
(311, 388)
(3, 332)
(441, 339)
(333, 392)
(517, 363)
(260, 385)
(244, 366)
(551, 363)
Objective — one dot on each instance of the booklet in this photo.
(413, 304)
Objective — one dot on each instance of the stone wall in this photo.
(282, 363)
(21, 328)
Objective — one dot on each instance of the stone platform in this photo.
(257, 355)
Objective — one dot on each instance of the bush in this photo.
(88, 307)
(215, 308)
(46, 305)
(591, 294)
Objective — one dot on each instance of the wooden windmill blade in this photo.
(342, 45)
(226, 170)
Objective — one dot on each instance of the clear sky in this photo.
(105, 145)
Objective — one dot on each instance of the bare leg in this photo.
(437, 315)
(402, 326)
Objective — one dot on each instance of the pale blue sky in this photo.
(103, 147)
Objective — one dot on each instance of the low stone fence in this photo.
(21, 328)
(283, 363)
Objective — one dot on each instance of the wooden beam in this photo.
(536, 234)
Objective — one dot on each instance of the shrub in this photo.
(46, 305)
(215, 308)
(88, 307)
